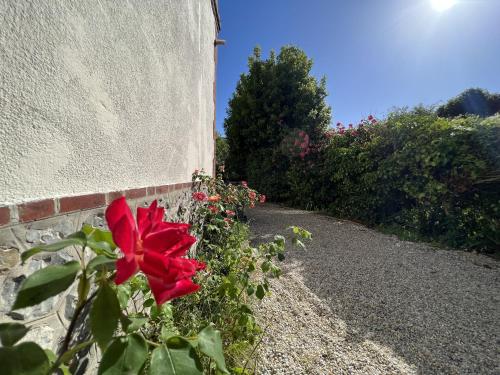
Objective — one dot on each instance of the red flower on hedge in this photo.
(155, 247)
(213, 209)
(199, 196)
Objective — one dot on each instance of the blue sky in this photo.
(375, 54)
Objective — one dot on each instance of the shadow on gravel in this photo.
(438, 310)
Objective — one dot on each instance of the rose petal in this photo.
(125, 236)
(173, 241)
(125, 269)
(165, 292)
(116, 211)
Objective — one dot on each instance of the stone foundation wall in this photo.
(48, 321)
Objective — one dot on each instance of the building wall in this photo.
(98, 99)
(101, 96)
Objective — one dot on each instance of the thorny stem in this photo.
(69, 333)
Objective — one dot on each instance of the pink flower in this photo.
(230, 213)
(262, 198)
(370, 117)
(155, 247)
(244, 184)
(199, 196)
(252, 195)
(228, 220)
(252, 205)
(213, 209)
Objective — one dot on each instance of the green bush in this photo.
(273, 102)
(430, 177)
(471, 102)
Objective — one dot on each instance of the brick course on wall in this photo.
(36, 210)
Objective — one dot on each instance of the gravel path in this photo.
(361, 302)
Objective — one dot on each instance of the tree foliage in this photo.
(221, 150)
(276, 97)
(471, 102)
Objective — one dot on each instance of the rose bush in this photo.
(154, 306)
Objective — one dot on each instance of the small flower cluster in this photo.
(224, 200)
(341, 129)
(298, 144)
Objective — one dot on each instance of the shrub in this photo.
(435, 178)
(471, 102)
(157, 307)
(273, 102)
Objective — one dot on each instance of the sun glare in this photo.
(442, 5)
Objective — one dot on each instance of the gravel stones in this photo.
(361, 302)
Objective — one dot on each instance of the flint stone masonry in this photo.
(48, 321)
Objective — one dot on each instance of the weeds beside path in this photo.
(361, 302)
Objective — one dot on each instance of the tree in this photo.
(471, 102)
(275, 99)
(221, 150)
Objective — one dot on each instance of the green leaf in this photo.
(210, 343)
(265, 266)
(100, 241)
(178, 357)
(246, 309)
(135, 323)
(123, 292)
(99, 235)
(104, 315)
(124, 356)
(260, 293)
(75, 239)
(46, 283)
(101, 262)
(10, 333)
(24, 359)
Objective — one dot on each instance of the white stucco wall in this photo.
(103, 95)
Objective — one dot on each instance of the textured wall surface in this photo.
(103, 95)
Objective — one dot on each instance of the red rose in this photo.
(252, 195)
(199, 196)
(155, 247)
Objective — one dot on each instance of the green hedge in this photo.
(429, 177)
